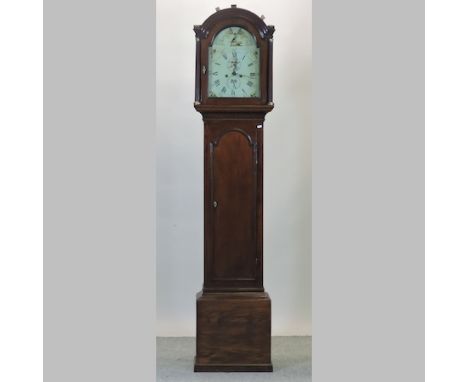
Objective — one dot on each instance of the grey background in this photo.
(367, 190)
(99, 191)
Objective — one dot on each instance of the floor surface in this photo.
(291, 358)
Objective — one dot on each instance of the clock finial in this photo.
(233, 5)
(217, 9)
(262, 17)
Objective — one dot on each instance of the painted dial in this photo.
(234, 65)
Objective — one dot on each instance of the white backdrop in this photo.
(287, 166)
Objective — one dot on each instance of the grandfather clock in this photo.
(233, 92)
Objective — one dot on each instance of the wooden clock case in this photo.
(233, 310)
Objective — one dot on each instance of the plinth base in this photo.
(233, 332)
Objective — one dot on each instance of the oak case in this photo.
(233, 309)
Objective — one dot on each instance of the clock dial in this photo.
(234, 65)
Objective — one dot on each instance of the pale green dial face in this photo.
(234, 65)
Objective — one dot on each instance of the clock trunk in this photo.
(233, 204)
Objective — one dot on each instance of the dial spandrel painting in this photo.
(234, 65)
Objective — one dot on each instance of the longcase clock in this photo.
(233, 92)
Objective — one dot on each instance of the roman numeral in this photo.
(224, 89)
(215, 73)
(217, 82)
(251, 64)
(250, 83)
(251, 74)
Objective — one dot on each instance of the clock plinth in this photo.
(233, 332)
(233, 92)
